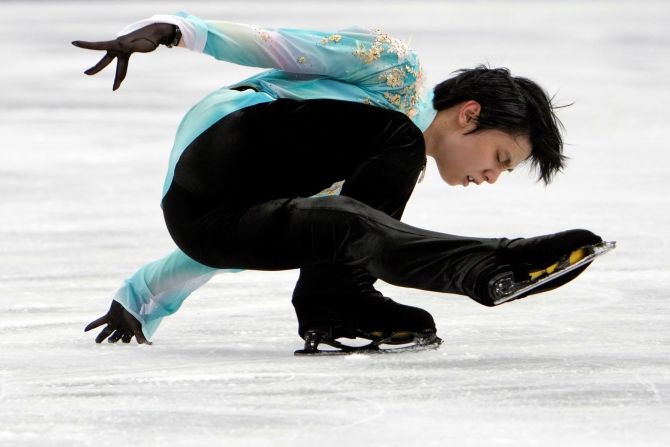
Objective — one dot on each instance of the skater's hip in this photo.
(216, 232)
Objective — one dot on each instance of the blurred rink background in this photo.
(80, 181)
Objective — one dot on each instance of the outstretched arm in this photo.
(350, 55)
(372, 59)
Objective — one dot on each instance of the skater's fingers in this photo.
(99, 322)
(116, 336)
(104, 334)
(139, 336)
(102, 63)
(121, 70)
(135, 327)
(127, 336)
(101, 45)
(141, 339)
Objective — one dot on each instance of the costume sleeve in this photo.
(158, 289)
(372, 59)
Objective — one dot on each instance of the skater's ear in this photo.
(468, 115)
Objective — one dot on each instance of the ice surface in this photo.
(81, 174)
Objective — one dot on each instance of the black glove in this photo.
(143, 40)
(121, 325)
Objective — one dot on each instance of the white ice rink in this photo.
(81, 174)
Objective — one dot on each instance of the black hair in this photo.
(515, 105)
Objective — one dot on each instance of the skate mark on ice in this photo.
(346, 405)
(651, 386)
(3, 384)
(87, 382)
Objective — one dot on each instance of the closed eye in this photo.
(505, 163)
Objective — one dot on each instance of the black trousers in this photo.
(326, 237)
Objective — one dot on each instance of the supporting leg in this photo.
(343, 297)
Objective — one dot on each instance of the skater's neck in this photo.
(442, 122)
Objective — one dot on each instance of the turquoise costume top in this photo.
(353, 65)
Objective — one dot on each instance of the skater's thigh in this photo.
(289, 233)
(277, 234)
(296, 232)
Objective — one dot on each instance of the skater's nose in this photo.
(491, 175)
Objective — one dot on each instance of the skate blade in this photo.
(396, 338)
(419, 343)
(505, 289)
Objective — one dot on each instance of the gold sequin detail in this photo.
(368, 102)
(370, 55)
(383, 42)
(332, 190)
(396, 46)
(395, 77)
(302, 59)
(334, 38)
(411, 70)
(407, 97)
(393, 98)
(262, 34)
(405, 80)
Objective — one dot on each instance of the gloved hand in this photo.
(143, 40)
(121, 325)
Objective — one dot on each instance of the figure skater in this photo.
(310, 164)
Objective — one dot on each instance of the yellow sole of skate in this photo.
(575, 256)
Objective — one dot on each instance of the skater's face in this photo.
(463, 158)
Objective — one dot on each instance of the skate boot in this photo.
(542, 263)
(323, 319)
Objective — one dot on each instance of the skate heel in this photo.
(313, 339)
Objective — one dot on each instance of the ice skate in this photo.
(383, 325)
(401, 341)
(506, 287)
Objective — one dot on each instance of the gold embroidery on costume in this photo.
(302, 59)
(411, 70)
(262, 34)
(383, 42)
(394, 45)
(393, 98)
(333, 189)
(368, 102)
(334, 38)
(405, 98)
(395, 77)
(370, 55)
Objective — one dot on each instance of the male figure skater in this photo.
(256, 169)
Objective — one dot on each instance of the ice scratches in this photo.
(87, 382)
(36, 309)
(346, 410)
(3, 384)
(374, 410)
(651, 386)
(71, 277)
(17, 436)
(23, 325)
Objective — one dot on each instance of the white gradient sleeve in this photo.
(356, 55)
